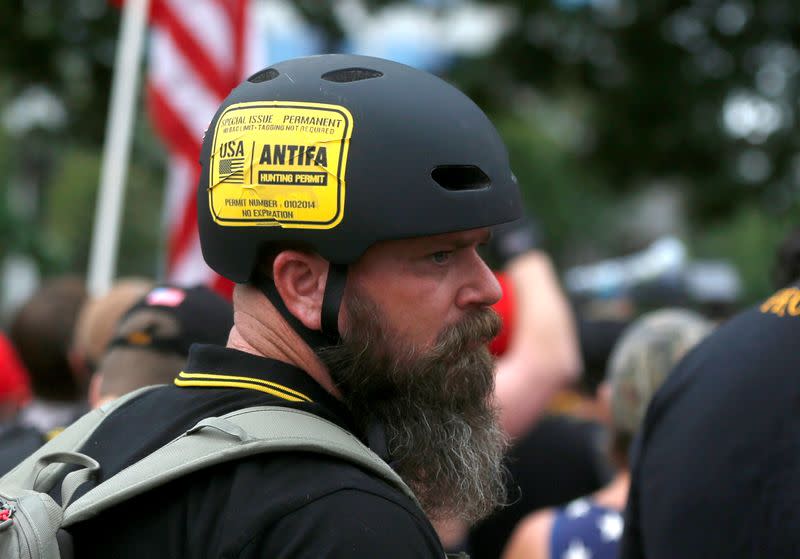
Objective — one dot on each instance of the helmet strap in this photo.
(332, 300)
(331, 303)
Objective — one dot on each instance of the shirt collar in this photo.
(219, 367)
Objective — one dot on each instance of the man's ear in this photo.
(300, 280)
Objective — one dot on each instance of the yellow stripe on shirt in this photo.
(229, 381)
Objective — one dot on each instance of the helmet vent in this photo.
(264, 75)
(347, 75)
(460, 177)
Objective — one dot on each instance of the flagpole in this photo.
(116, 149)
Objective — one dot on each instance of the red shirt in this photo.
(504, 307)
(14, 386)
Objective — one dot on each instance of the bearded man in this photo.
(347, 196)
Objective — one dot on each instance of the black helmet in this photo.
(341, 151)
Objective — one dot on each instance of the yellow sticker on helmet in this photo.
(279, 163)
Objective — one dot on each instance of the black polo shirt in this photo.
(289, 504)
(717, 472)
(560, 459)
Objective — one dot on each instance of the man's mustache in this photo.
(473, 331)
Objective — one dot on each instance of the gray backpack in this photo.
(31, 521)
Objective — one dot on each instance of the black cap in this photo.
(597, 339)
(201, 315)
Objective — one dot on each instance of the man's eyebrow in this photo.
(465, 242)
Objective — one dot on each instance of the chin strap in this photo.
(331, 303)
(328, 336)
(332, 300)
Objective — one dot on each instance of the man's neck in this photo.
(259, 329)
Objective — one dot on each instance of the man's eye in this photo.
(441, 257)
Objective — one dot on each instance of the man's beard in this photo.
(436, 407)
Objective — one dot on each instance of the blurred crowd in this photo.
(575, 376)
(345, 401)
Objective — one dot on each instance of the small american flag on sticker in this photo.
(232, 170)
(165, 297)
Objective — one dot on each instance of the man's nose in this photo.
(481, 288)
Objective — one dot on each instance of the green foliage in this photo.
(656, 77)
(66, 46)
(68, 49)
(69, 212)
(749, 238)
(568, 203)
(656, 80)
(69, 216)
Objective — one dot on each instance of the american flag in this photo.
(165, 297)
(199, 50)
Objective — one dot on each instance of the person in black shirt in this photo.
(347, 196)
(717, 470)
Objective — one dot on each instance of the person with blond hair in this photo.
(591, 527)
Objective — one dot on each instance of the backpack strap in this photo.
(235, 435)
(69, 440)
